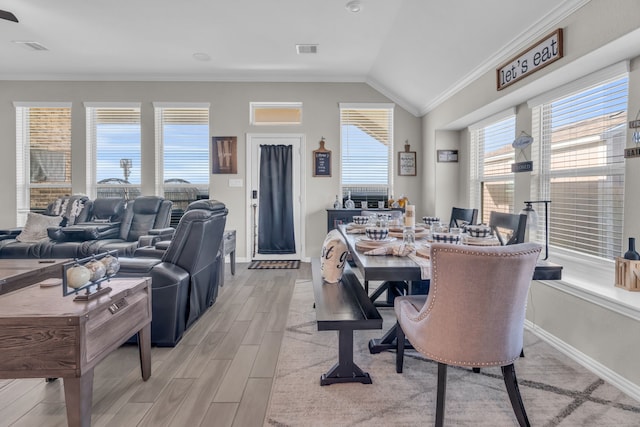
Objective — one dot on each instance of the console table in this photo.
(46, 335)
(229, 248)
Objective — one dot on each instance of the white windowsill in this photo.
(593, 280)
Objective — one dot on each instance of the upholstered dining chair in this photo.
(458, 215)
(474, 313)
(509, 228)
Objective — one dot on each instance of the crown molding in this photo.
(393, 96)
(529, 36)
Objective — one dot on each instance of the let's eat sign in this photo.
(543, 53)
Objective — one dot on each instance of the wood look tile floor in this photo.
(220, 374)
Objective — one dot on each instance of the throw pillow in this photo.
(334, 256)
(68, 207)
(36, 227)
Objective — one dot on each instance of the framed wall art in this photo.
(224, 154)
(322, 161)
(447, 156)
(407, 161)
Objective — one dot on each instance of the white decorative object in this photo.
(78, 276)
(334, 256)
(97, 269)
(111, 264)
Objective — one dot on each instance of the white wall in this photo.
(229, 115)
(599, 34)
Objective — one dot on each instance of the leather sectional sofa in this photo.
(92, 226)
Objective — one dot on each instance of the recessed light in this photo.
(201, 56)
(306, 48)
(354, 6)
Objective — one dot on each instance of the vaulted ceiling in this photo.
(416, 52)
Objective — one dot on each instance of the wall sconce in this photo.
(532, 221)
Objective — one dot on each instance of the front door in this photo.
(275, 220)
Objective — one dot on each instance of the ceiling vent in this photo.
(306, 48)
(31, 45)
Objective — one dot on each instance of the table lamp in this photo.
(532, 221)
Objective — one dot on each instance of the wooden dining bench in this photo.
(343, 307)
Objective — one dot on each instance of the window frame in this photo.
(541, 152)
(91, 146)
(159, 109)
(477, 164)
(23, 156)
(253, 106)
(369, 188)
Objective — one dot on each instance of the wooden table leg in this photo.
(144, 347)
(232, 261)
(78, 396)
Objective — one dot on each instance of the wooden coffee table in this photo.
(18, 273)
(46, 335)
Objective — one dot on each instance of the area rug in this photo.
(274, 265)
(556, 391)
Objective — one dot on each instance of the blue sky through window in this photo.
(365, 160)
(186, 152)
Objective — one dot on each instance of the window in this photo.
(43, 155)
(491, 157)
(276, 113)
(182, 152)
(579, 145)
(113, 150)
(366, 148)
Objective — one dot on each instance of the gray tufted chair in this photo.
(474, 313)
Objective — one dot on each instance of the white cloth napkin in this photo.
(355, 230)
(424, 264)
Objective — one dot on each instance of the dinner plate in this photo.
(401, 229)
(418, 235)
(368, 240)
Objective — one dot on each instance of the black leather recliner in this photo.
(143, 214)
(185, 279)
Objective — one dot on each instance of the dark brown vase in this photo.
(631, 253)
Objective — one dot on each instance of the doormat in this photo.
(274, 265)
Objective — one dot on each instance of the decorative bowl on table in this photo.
(445, 237)
(360, 219)
(478, 230)
(430, 219)
(377, 233)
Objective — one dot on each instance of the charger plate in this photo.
(366, 244)
(480, 241)
(416, 229)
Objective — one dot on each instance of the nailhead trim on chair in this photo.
(432, 298)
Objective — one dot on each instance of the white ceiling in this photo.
(416, 52)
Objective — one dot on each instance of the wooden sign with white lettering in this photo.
(543, 53)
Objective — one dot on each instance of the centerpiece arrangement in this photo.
(88, 274)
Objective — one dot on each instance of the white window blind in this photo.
(43, 155)
(579, 146)
(366, 141)
(182, 153)
(113, 152)
(491, 157)
(276, 113)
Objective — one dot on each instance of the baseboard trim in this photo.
(613, 378)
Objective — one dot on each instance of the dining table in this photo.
(403, 274)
